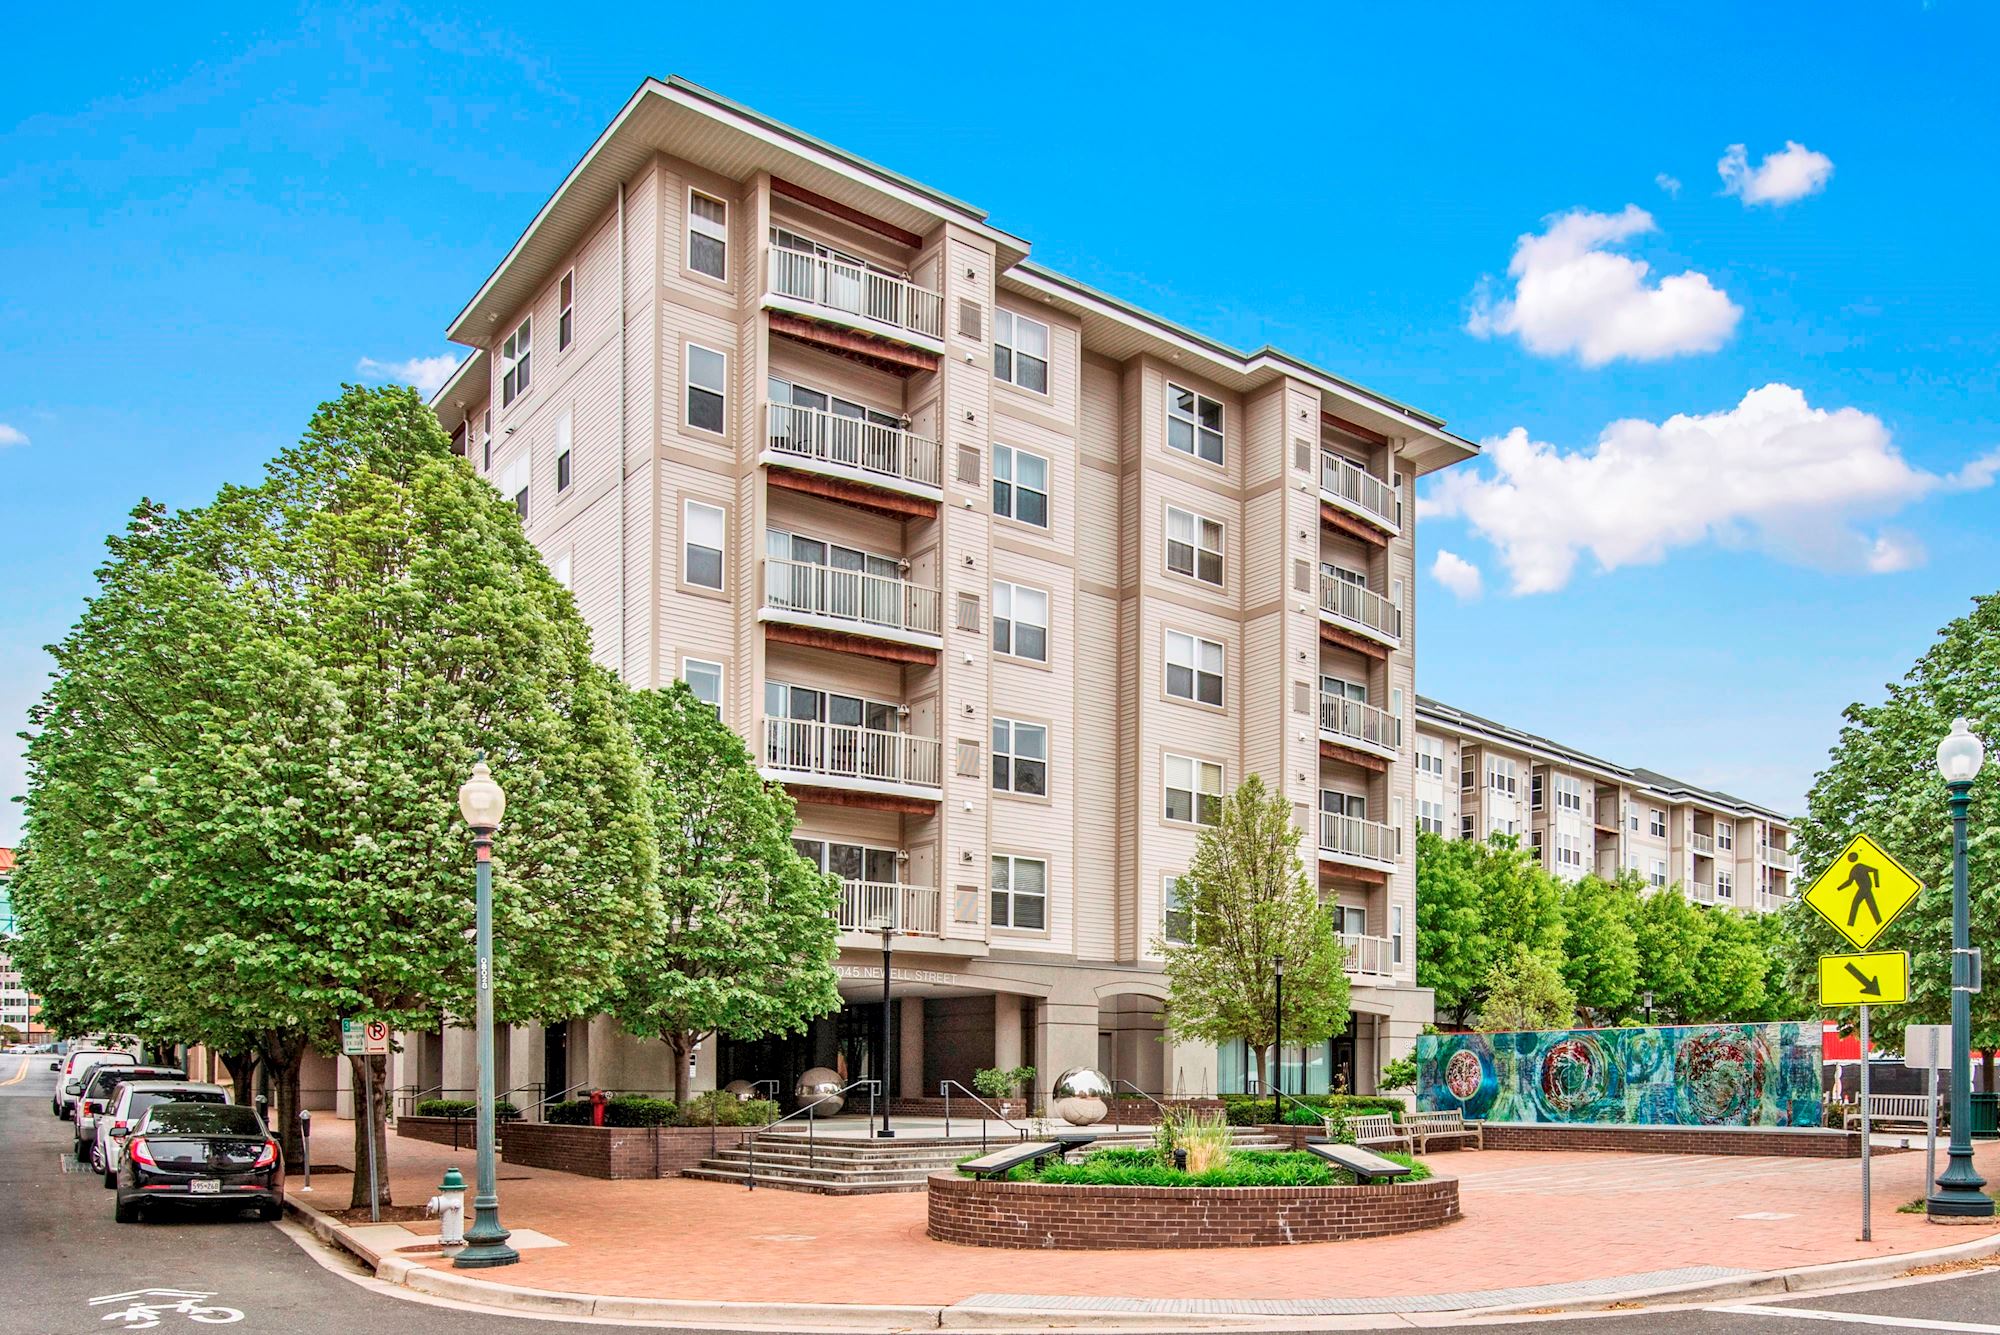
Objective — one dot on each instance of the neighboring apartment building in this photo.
(19, 1009)
(1006, 580)
(1580, 813)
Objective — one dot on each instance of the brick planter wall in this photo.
(615, 1151)
(458, 1131)
(1792, 1142)
(979, 1213)
(1125, 1112)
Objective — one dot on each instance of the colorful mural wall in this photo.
(1679, 1075)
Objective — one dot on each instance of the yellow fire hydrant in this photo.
(449, 1207)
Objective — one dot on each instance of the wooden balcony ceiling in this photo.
(1360, 644)
(1334, 873)
(1340, 521)
(827, 792)
(857, 493)
(881, 353)
(1352, 755)
(813, 637)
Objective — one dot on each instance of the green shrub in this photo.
(1244, 1110)
(718, 1107)
(638, 1110)
(503, 1111)
(1244, 1168)
(1398, 1074)
(1000, 1082)
(576, 1112)
(1296, 1116)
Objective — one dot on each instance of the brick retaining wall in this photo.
(458, 1132)
(979, 1213)
(615, 1151)
(1791, 1142)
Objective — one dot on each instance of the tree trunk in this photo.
(370, 1121)
(681, 1045)
(1263, 1051)
(279, 1063)
(242, 1068)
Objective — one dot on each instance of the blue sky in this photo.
(210, 224)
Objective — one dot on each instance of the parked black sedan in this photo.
(213, 1155)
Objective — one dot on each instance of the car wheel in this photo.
(110, 1177)
(127, 1212)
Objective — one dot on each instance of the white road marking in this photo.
(144, 1308)
(1857, 1318)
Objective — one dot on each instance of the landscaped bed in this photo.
(1243, 1168)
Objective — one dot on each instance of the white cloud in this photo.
(1457, 574)
(1670, 184)
(1793, 172)
(426, 374)
(1772, 473)
(12, 435)
(1573, 294)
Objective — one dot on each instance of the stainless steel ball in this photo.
(1080, 1096)
(819, 1089)
(740, 1089)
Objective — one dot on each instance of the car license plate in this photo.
(206, 1186)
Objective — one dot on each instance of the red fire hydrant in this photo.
(597, 1102)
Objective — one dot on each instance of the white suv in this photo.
(133, 1099)
(75, 1070)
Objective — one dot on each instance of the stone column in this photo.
(1006, 1030)
(910, 1050)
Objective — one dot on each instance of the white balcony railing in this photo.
(840, 751)
(1363, 725)
(1351, 837)
(1361, 609)
(1704, 891)
(1781, 858)
(865, 602)
(853, 289)
(871, 451)
(1703, 844)
(1358, 491)
(1371, 956)
(911, 910)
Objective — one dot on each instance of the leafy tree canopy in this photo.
(1525, 990)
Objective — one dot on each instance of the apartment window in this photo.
(1465, 826)
(486, 441)
(1536, 785)
(1658, 823)
(1177, 916)
(1021, 621)
(1502, 776)
(1194, 546)
(565, 443)
(1430, 816)
(701, 544)
(1632, 820)
(1020, 892)
(566, 316)
(1569, 792)
(1194, 424)
(1396, 933)
(1569, 851)
(1021, 351)
(1506, 825)
(1430, 756)
(1725, 835)
(708, 235)
(514, 481)
(1657, 876)
(851, 862)
(562, 471)
(1194, 668)
(704, 679)
(1725, 884)
(1020, 758)
(559, 568)
(1535, 845)
(514, 360)
(1021, 486)
(1194, 790)
(707, 371)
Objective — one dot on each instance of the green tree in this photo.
(1600, 947)
(1250, 904)
(1668, 932)
(1727, 981)
(1475, 902)
(1525, 990)
(746, 937)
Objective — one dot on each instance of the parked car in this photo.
(100, 1087)
(217, 1155)
(130, 1101)
(74, 1068)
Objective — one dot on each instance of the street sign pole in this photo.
(1930, 1118)
(368, 1111)
(1867, 1231)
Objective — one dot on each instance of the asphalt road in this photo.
(60, 1249)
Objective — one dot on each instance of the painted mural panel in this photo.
(1679, 1075)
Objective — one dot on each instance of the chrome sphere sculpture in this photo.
(1080, 1096)
(819, 1089)
(739, 1089)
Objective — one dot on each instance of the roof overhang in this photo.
(465, 391)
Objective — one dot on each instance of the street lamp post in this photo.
(1649, 1005)
(1278, 1047)
(1958, 1194)
(886, 925)
(482, 802)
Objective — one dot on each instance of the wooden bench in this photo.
(1378, 1129)
(1887, 1110)
(1365, 1166)
(1428, 1126)
(1002, 1162)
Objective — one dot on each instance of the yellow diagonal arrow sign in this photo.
(1881, 978)
(1862, 891)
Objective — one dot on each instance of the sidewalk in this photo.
(1531, 1219)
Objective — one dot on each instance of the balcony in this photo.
(1359, 492)
(911, 910)
(849, 602)
(1360, 843)
(1702, 844)
(1703, 891)
(1369, 956)
(855, 759)
(824, 288)
(1781, 858)
(1347, 722)
(1349, 606)
(852, 449)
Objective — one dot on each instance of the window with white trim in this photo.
(1396, 933)
(1569, 851)
(566, 310)
(708, 235)
(701, 544)
(1537, 786)
(1020, 891)
(515, 356)
(514, 481)
(1176, 912)
(704, 678)
(1657, 823)
(1020, 351)
(1657, 876)
(1569, 792)
(1430, 816)
(707, 393)
(1502, 775)
(1193, 790)
(1725, 834)
(1430, 756)
(565, 444)
(1194, 424)
(1020, 621)
(1020, 486)
(1725, 884)
(1194, 546)
(1194, 668)
(1020, 758)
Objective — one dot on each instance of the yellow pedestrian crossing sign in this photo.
(1862, 891)
(1878, 979)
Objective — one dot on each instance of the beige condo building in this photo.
(1580, 813)
(1005, 579)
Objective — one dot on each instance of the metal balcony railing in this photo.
(1704, 891)
(1703, 844)
(1353, 837)
(1364, 725)
(1358, 491)
(1371, 956)
(853, 289)
(911, 910)
(871, 451)
(1781, 858)
(868, 602)
(840, 751)
(1361, 609)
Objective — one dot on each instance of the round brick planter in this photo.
(980, 1213)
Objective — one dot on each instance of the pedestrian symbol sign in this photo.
(1862, 891)
(1878, 979)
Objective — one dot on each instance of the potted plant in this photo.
(999, 1083)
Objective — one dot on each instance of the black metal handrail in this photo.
(944, 1089)
(812, 1142)
(1118, 1124)
(1254, 1083)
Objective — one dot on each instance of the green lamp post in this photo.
(482, 802)
(1958, 1194)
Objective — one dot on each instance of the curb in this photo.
(405, 1273)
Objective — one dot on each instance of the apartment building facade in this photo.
(20, 1010)
(1007, 581)
(1580, 813)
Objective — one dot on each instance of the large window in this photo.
(1194, 790)
(704, 679)
(851, 862)
(1021, 351)
(1194, 546)
(707, 396)
(514, 360)
(1430, 756)
(1020, 892)
(1021, 486)
(1020, 758)
(1503, 775)
(1430, 816)
(1194, 668)
(1657, 823)
(1194, 424)
(701, 544)
(1569, 792)
(708, 235)
(1021, 621)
